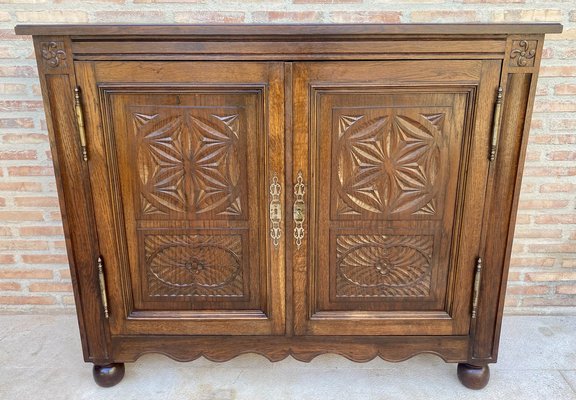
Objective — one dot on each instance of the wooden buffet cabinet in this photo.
(289, 190)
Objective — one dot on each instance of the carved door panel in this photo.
(393, 225)
(182, 157)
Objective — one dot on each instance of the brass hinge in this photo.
(80, 121)
(102, 282)
(496, 125)
(476, 294)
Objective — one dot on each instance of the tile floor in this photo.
(40, 358)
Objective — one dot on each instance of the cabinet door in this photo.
(181, 158)
(393, 159)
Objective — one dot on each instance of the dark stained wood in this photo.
(288, 198)
(302, 348)
(72, 180)
(506, 175)
(513, 42)
(108, 375)
(207, 144)
(373, 205)
(240, 31)
(273, 50)
(472, 376)
(186, 166)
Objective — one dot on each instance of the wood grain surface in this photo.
(290, 190)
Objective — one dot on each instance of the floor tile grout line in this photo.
(561, 365)
(567, 381)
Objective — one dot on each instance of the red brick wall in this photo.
(33, 267)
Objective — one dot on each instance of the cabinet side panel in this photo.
(519, 84)
(57, 81)
(501, 210)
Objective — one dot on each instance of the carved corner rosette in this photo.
(523, 53)
(53, 54)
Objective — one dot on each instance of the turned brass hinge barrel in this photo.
(102, 283)
(476, 294)
(496, 125)
(80, 122)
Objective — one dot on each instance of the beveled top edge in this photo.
(285, 30)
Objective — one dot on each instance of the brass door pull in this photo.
(299, 209)
(275, 211)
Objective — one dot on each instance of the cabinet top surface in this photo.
(321, 30)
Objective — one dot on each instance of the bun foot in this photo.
(472, 376)
(108, 375)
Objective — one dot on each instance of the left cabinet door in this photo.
(184, 159)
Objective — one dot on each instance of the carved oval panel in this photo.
(376, 265)
(383, 265)
(202, 265)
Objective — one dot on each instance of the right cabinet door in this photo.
(390, 166)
